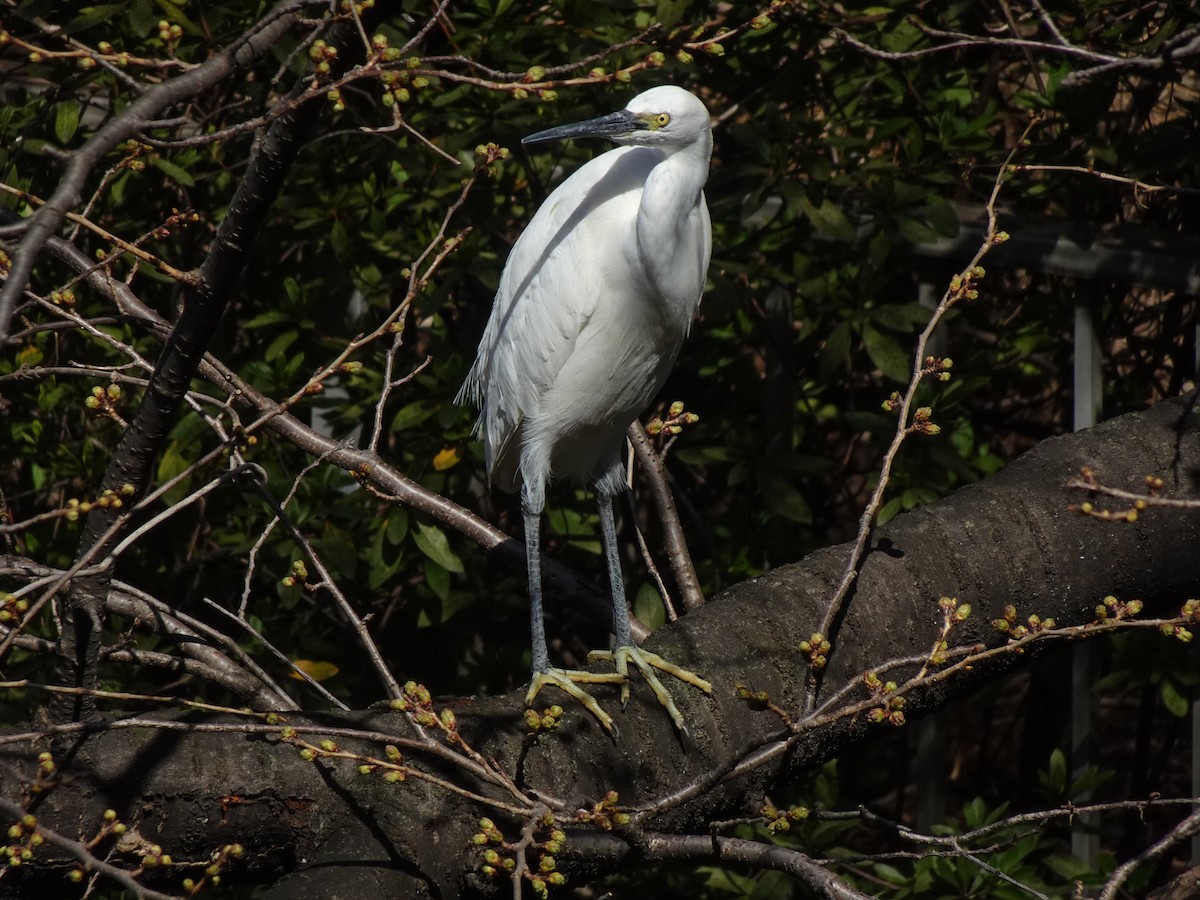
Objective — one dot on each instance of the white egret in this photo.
(595, 300)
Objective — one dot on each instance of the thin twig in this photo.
(959, 660)
(256, 42)
(390, 684)
(261, 540)
(962, 41)
(85, 856)
(664, 592)
(1181, 832)
(866, 524)
(1139, 499)
(243, 623)
(754, 853)
(678, 556)
(1136, 183)
(956, 843)
(131, 248)
(468, 763)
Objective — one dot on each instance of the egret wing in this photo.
(544, 301)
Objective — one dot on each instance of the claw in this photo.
(646, 662)
(568, 680)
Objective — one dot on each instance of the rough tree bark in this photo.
(328, 831)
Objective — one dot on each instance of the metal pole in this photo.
(1196, 701)
(1085, 842)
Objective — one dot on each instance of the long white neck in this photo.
(671, 226)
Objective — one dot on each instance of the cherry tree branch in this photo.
(223, 64)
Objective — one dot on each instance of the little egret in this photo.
(594, 302)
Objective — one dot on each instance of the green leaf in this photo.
(783, 498)
(829, 218)
(29, 355)
(288, 596)
(1067, 868)
(340, 240)
(292, 288)
(271, 317)
(915, 232)
(837, 346)
(120, 183)
(772, 886)
(699, 456)
(338, 550)
(1053, 780)
(438, 580)
(1175, 701)
(669, 12)
(455, 601)
(172, 171)
(433, 543)
(176, 15)
(941, 215)
(413, 414)
(396, 525)
(887, 354)
(93, 16)
(826, 788)
(868, 420)
(725, 883)
(890, 873)
(430, 611)
(901, 316)
(1058, 766)
(170, 464)
(142, 17)
(280, 345)
(977, 814)
(383, 563)
(1091, 779)
(890, 510)
(648, 607)
(66, 120)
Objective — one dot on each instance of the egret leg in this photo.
(533, 558)
(616, 579)
(624, 649)
(567, 680)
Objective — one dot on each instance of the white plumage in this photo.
(595, 301)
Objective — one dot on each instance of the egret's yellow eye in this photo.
(661, 120)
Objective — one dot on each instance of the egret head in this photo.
(665, 116)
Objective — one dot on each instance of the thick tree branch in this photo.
(1007, 540)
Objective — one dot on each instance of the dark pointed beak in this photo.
(611, 126)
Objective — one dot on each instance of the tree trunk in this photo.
(1010, 539)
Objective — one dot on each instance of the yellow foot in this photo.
(568, 680)
(647, 662)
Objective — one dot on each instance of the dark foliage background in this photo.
(833, 168)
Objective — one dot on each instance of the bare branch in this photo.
(1181, 832)
(668, 515)
(130, 122)
(86, 858)
(960, 288)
